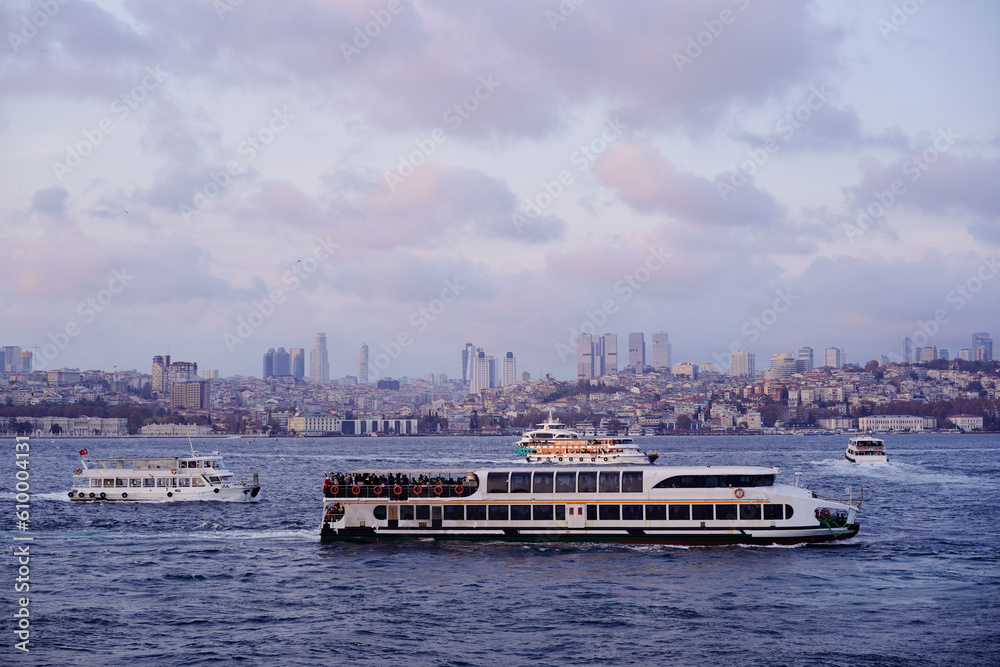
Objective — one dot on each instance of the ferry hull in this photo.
(650, 536)
(139, 495)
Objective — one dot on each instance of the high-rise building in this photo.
(268, 370)
(468, 357)
(783, 365)
(943, 354)
(319, 362)
(686, 369)
(480, 373)
(11, 359)
(928, 353)
(363, 364)
(282, 362)
(298, 355)
(661, 350)
(834, 357)
(183, 371)
(741, 363)
(609, 355)
(210, 373)
(637, 352)
(584, 357)
(26, 361)
(982, 339)
(965, 354)
(161, 374)
(907, 349)
(491, 363)
(190, 395)
(509, 374)
(804, 363)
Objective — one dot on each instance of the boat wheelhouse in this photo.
(866, 449)
(554, 442)
(680, 505)
(195, 477)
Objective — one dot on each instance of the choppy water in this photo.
(199, 583)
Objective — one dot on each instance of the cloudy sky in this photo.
(212, 179)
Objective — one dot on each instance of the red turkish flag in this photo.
(83, 452)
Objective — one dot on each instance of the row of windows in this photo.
(673, 512)
(153, 481)
(714, 481)
(589, 481)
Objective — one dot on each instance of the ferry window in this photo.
(772, 512)
(196, 481)
(95, 482)
(542, 482)
(656, 512)
(520, 482)
(632, 481)
(591, 512)
(498, 512)
(560, 512)
(109, 482)
(184, 464)
(406, 512)
(587, 482)
(749, 512)
(454, 512)
(632, 512)
(475, 512)
(789, 511)
(520, 512)
(135, 482)
(183, 481)
(609, 512)
(683, 512)
(542, 513)
(710, 481)
(161, 481)
(725, 512)
(120, 482)
(213, 479)
(379, 512)
(702, 512)
(423, 512)
(608, 482)
(149, 481)
(565, 482)
(496, 482)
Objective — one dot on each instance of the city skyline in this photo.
(741, 175)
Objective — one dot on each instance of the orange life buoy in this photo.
(738, 493)
(356, 490)
(417, 490)
(438, 490)
(334, 489)
(398, 490)
(459, 489)
(174, 471)
(824, 513)
(378, 490)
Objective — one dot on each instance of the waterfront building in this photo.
(967, 422)
(897, 423)
(637, 352)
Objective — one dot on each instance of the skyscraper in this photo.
(834, 357)
(269, 363)
(509, 375)
(907, 349)
(319, 363)
(161, 374)
(584, 357)
(363, 364)
(480, 373)
(637, 352)
(298, 362)
(282, 362)
(11, 359)
(661, 350)
(26, 361)
(742, 363)
(468, 357)
(805, 360)
(982, 339)
(609, 354)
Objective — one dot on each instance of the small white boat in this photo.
(554, 442)
(866, 449)
(146, 478)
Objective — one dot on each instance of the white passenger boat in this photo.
(680, 505)
(195, 477)
(866, 449)
(554, 442)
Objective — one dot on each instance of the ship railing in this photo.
(393, 491)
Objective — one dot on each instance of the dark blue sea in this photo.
(207, 583)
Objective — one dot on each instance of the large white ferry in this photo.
(679, 505)
(554, 442)
(195, 477)
(866, 449)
